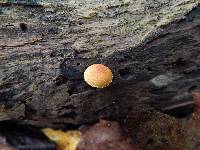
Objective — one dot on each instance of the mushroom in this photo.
(64, 140)
(98, 75)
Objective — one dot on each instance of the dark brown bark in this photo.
(160, 74)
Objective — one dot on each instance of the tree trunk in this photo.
(152, 48)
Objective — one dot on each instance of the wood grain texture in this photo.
(44, 53)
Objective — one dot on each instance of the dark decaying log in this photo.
(23, 137)
(159, 74)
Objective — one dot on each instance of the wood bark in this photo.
(41, 70)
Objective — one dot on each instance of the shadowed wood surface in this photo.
(44, 53)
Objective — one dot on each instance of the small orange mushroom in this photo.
(98, 75)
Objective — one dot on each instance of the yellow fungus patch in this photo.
(65, 140)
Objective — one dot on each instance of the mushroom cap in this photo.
(98, 75)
